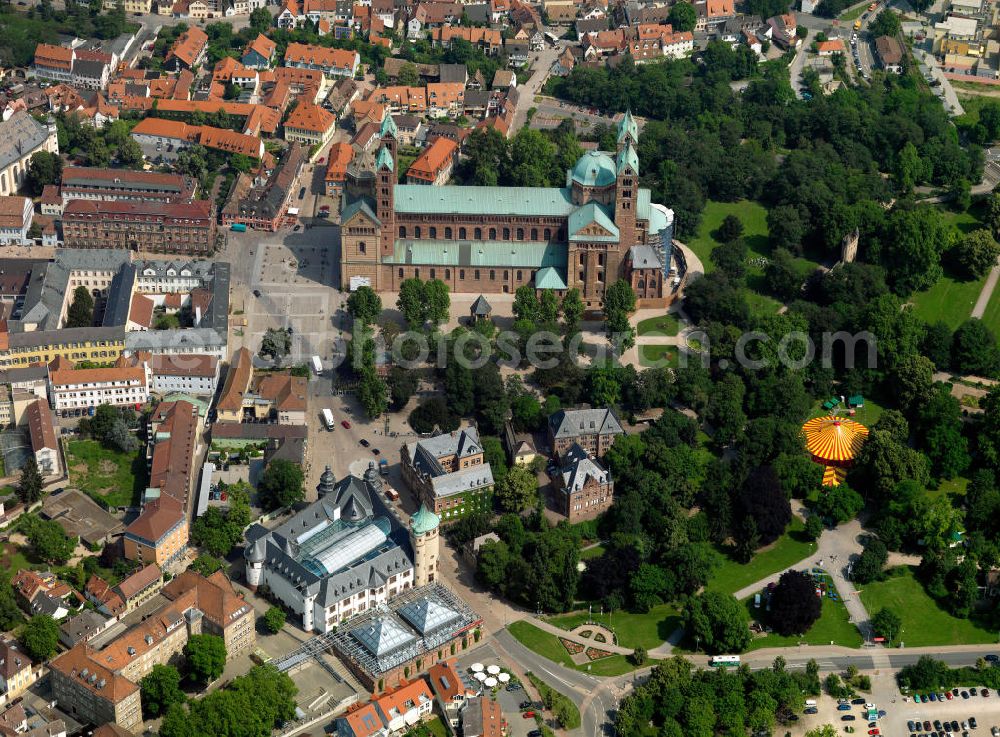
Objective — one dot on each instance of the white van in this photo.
(810, 702)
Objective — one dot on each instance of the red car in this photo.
(345, 424)
(947, 695)
(874, 731)
(528, 715)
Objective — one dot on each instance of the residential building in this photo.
(21, 349)
(830, 47)
(483, 717)
(158, 535)
(445, 98)
(187, 51)
(584, 485)
(576, 236)
(97, 686)
(16, 671)
(435, 163)
(263, 201)
(15, 220)
(361, 720)
(309, 124)
(178, 228)
(344, 554)
(173, 440)
(332, 62)
(42, 435)
(488, 40)
(196, 374)
(278, 396)
(81, 518)
(339, 158)
(84, 627)
(449, 473)
(520, 446)
(594, 430)
(224, 612)
(259, 53)
(21, 137)
(254, 120)
(451, 689)
(40, 592)
(229, 408)
(91, 693)
(72, 388)
(86, 183)
(890, 54)
(159, 137)
(54, 62)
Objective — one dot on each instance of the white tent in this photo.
(480, 676)
(476, 667)
(503, 677)
(493, 669)
(490, 682)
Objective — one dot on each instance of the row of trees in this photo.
(678, 700)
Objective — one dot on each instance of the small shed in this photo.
(481, 309)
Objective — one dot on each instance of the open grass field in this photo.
(992, 315)
(833, 626)
(950, 300)
(13, 559)
(787, 550)
(541, 642)
(753, 216)
(110, 478)
(666, 324)
(647, 630)
(595, 552)
(867, 415)
(650, 355)
(924, 622)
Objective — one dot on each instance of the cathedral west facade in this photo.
(598, 228)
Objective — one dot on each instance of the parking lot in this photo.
(986, 711)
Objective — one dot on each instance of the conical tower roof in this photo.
(834, 439)
(424, 521)
(627, 127)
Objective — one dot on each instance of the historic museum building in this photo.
(597, 229)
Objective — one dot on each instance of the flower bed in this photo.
(573, 648)
(594, 654)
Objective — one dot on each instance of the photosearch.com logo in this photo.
(545, 349)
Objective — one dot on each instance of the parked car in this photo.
(984, 692)
(528, 715)
(848, 718)
(844, 707)
(965, 694)
(948, 695)
(973, 723)
(811, 710)
(524, 705)
(364, 443)
(345, 424)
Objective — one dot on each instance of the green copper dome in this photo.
(594, 169)
(424, 521)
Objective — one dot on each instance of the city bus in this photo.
(719, 661)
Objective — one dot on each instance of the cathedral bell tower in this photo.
(626, 181)
(385, 185)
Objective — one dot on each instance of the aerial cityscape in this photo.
(499, 368)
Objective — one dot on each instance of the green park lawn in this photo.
(754, 218)
(992, 315)
(666, 324)
(541, 642)
(924, 622)
(787, 550)
(595, 552)
(950, 300)
(548, 646)
(109, 477)
(867, 415)
(653, 354)
(833, 626)
(647, 630)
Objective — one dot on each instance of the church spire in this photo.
(627, 130)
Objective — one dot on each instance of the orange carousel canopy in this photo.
(834, 439)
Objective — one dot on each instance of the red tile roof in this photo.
(157, 519)
(82, 658)
(309, 117)
(433, 160)
(188, 46)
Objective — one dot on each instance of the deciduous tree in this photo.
(281, 484)
(40, 637)
(161, 689)
(795, 607)
(206, 657)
